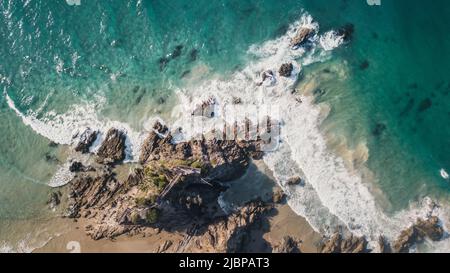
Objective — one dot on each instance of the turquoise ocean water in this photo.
(124, 60)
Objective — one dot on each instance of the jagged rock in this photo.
(296, 180)
(112, 149)
(337, 244)
(383, 245)
(278, 196)
(164, 246)
(302, 35)
(287, 245)
(430, 228)
(227, 159)
(86, 140)
(152, 142)
(180, 180)
(229, 234)
(286, 70)
(135, 177)
(76, 167)
(415, 234)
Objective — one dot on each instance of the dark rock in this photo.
(296, 180)
(112, 149)
(425, 105)
(267, 75)
(230, 234)
(286, 70)
(364, 65)
(237, 100)
(54, 200)
(76, 167)
(287, 245)
(383, 245)
(301, 37)
(193, 55)
(346, 32)
(417, 233)
(379, 129)
(51, 158)
(86, 140)
(278, 196)
(52, 144)
(338, 244)
(177, 51)
(185, 73)
(163, 63)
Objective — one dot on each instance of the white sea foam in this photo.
(68, 127)
(333, 195)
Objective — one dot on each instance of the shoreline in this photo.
(282, 221)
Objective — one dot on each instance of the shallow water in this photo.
(121, 63)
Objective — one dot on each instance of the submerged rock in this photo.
(425, 105)
(286, 70)
(346, 32)
(112, 149)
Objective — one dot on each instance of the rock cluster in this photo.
(112, 149)
(286, 70)
(301, 37)
(177, 187)
(86, 140)
(338, 244)
(287, 245)
(429, 228)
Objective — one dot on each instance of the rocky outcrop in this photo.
(222, 159)
(293, 181)
(286, 70)
(301, 37)
(287, 245)
(383, 245)
(278, 196)
(177, 186)
(338, 244)
(112, 149)
(429, 228)
(230, 233)
(86, 140)
(154, 140)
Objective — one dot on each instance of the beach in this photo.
(342, 111)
